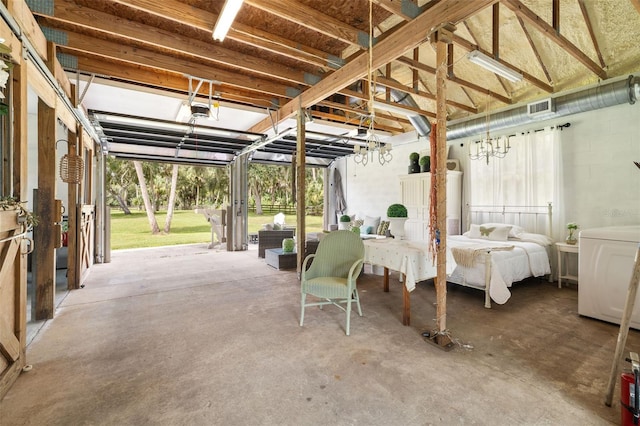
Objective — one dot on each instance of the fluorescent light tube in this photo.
(494, 66)
(228, 14)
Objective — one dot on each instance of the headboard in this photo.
(535, 219)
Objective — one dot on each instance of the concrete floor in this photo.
(190, 336)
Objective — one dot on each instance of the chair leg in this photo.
(348, 315)
(357, 301)
(304, 296)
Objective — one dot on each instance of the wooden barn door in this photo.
(13, 295)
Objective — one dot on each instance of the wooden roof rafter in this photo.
(594, 40)
(117, 52)
(173, 10)
(530, 78)
(396, 44)
(312, 19)
(398, 86)
(529, 16)
(544, 68)
(66, 12)
(459, 81)
(163, 80)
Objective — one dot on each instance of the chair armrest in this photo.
(356, 265)
(304, 266)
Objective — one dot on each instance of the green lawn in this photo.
(132, 231)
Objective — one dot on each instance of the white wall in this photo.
(601, 183)
(370, 189)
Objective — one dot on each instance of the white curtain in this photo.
(529, 175)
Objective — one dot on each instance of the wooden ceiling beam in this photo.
(67, 12)
(411, 35)
(403, 8)
(161, 80)
(535, 50)
(203, 20)
(401, 87)
(531, 79)
(594, 40)
(417, 111)
(459, 81)
(355, 121)
(312, 19)
(127, 54)
(527, 14)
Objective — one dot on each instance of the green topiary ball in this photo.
(397, 210)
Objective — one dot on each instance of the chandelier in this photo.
(372, 149)
(489, 147)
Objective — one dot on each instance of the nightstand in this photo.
(563, 250)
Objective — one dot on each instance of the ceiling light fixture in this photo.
(494, 66)
(226, 18)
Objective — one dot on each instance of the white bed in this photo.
(513, 255)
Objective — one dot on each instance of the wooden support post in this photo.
(20, 173)
(73, 279)
(300, 188)
(45, 267)
(440, 336)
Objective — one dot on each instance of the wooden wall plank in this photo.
(19, 103)
(43, 235)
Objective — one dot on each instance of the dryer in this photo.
(605, 265)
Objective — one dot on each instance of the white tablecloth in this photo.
(411, 258)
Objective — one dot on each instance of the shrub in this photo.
(414, 156)
(397, 210)
(345, 218)
(425, 160)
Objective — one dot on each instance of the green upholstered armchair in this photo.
(333, 273)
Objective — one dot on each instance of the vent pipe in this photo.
(602, 96)
(420, 122)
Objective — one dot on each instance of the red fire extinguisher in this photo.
(630, 393)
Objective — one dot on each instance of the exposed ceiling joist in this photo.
(525, 13)
(406, 38)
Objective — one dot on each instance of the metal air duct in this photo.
(602, 96)
(420, 122)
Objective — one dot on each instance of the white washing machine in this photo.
(606, 261)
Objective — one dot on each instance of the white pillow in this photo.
(514, 232)
(498, 232)
(371, 222)
(541, 239)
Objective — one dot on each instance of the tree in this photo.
(153, 223)
(120, 181)
(172, 199)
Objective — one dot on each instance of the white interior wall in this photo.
(601, 183)
(370, 189)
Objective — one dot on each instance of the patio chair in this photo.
(333, 273)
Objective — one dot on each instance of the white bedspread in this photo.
(527, 259)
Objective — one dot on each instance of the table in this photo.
(410, 258)
(277, 258)
(563, 249)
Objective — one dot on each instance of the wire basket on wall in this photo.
(71, 168)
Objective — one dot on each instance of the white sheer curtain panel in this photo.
(529, 175)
